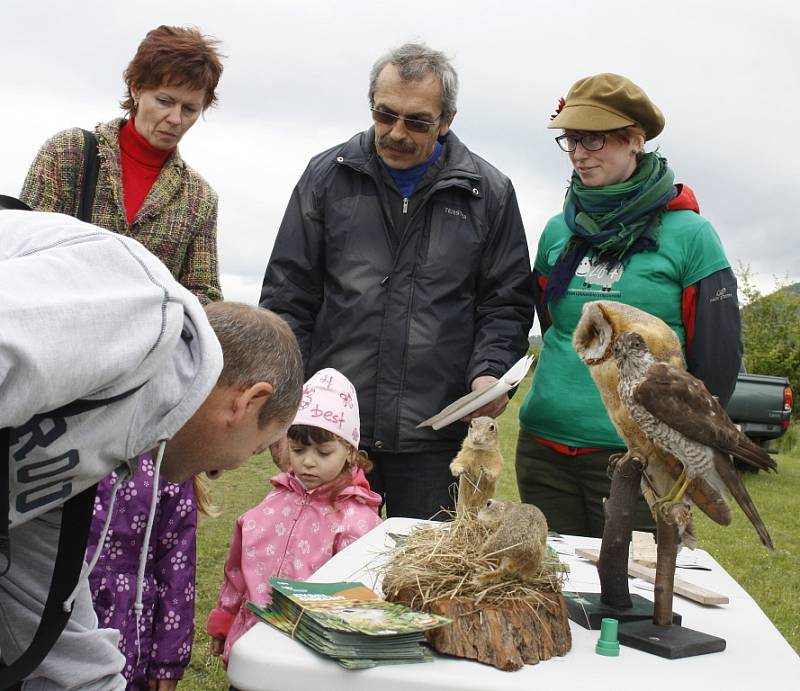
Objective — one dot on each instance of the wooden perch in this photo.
(667, 541)
(684, 588)
(619, 509)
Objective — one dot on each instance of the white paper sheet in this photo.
(475, 399)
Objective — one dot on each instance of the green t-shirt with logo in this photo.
(563, 404)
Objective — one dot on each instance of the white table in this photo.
(756, 657)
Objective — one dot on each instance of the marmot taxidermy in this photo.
(477, 465)
(517, 537)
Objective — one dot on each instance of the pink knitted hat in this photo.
(329, 401)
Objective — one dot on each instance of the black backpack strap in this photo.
(76, 519)
(91, 167)
(5, 512)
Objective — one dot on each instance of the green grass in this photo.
(770, 578)
(235, 492)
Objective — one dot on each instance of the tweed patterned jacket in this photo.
(177, 221)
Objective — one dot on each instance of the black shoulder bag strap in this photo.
(7, 202)
(91, 167)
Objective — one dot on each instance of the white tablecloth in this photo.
(756, 657)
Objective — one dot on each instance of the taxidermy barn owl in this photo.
(600, 326)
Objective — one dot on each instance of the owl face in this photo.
(594, 334)
(602, 321)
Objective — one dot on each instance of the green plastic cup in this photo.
(608, 643)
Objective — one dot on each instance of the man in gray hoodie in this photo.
(104, 356)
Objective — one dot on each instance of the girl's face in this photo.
(318, 463)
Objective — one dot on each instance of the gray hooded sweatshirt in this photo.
(86, 314)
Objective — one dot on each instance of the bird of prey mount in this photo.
(668, 417)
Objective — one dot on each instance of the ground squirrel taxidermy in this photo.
(517, 537)
(477, 465)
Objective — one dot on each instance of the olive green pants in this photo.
(569, 490)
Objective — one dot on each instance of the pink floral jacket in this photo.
(291, 534)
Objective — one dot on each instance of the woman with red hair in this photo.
(144, 188)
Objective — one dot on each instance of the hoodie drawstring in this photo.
(123, 476)
(137, 606)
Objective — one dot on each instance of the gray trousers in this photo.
(84, 657)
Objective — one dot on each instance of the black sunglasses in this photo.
(421, 126)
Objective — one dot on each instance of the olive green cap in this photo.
(608, 102)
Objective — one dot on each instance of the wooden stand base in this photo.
(507, 636)
(588, 610)
(672, 642)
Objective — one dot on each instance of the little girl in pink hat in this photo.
(319, 506)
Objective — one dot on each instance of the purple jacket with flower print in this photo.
(167, 621)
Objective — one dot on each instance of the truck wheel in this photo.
(743, 467)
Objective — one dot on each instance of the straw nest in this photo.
(445, 562)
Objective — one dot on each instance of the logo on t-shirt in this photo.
(599, 277)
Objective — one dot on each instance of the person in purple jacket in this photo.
(157, 654)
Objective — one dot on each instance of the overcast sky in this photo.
(725, 74)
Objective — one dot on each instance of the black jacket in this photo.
(410, 315)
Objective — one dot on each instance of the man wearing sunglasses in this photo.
(402, 262)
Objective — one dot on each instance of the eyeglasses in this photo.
(412, 125)
(594, 141)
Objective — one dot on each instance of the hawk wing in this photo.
(682, 402)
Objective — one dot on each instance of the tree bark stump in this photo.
(507, 636)
(619, 509)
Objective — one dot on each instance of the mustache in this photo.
(386, 142)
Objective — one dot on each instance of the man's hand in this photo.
(280, 454)
(162, 684)
(492, 408)
(217, 645)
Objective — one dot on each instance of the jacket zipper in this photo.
(453, 180)
(289, 536)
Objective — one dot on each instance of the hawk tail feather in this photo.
(734, 483)
(753, 455)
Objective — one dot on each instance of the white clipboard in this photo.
(475, 399)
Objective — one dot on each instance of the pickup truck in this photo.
(761, 406)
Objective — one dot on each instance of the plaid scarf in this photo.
(617, 221)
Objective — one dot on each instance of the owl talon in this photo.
(613, 461)
(666, 509)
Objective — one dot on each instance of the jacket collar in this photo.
(358, 488)
(164, 188)
(459, 165)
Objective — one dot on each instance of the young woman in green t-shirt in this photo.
(627, 232)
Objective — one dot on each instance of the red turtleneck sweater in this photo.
(141, 164)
